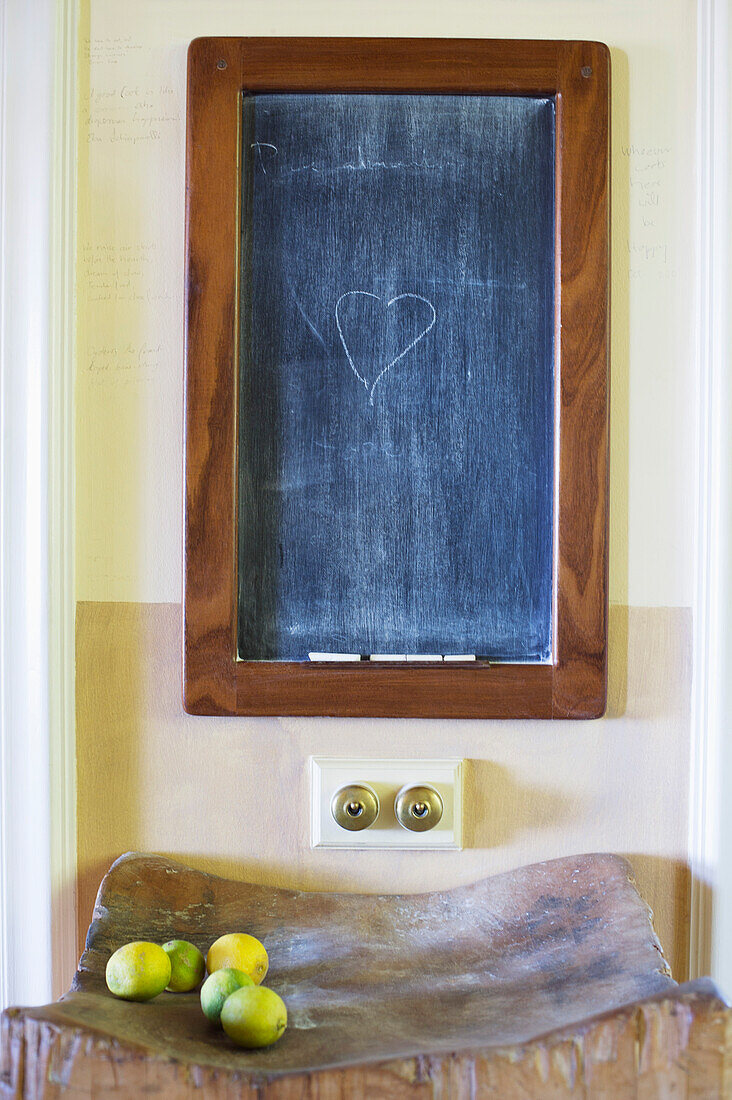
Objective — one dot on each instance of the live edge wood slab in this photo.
(544, 982)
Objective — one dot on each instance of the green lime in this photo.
(187, 965)
(217, 987)
(254, 1016)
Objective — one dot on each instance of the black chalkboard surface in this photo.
(396, 383)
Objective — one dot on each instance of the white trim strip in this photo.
(712, 696)
(37, 201)
(27, 64)
(62, 512)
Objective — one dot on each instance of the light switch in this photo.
(426, 795)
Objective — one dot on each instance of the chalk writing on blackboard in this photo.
(370, 386)
(396, 376)
(259, 145)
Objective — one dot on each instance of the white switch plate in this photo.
(387, 777)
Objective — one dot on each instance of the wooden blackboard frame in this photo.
(577, 74)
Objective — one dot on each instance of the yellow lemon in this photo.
(187, 965)
(238, 951)
(254, 1016)
(138, 971)
(217, 987)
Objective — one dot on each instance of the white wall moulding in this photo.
(37, 833)
(711, 764)
(61, 498)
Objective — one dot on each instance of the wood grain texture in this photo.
(580, 673)
(547, 981)
(673, 1045)
(219, 69)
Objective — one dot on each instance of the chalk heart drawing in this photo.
(370, 386)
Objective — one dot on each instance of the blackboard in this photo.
(396, 376)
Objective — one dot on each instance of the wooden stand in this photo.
(545, 982)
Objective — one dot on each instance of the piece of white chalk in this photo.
(460, 657)
(334, 656)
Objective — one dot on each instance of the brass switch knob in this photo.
(418, 808)
(355, 807)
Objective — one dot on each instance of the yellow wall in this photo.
(231, 795)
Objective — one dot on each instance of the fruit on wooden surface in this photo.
(187, 966)
(238, 951)
(217, 987)
(138, 971)
(254, 1016)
